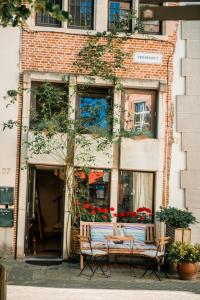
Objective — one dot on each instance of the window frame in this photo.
(58, 24)
(131, 21)
(94, 90)
(154, 117)
(81, 27)
(160, 22)
(33, 97)
(153, 188)
(109, 183)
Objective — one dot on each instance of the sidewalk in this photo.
(38, 293)
(58, 282)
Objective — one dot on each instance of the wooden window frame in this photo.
(131, 6)
(79, 26)
(55, 23)
(153, 188)
(160, 22)
(94, 91)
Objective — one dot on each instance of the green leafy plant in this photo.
(15, 12)
(184, 253)
(175, 217)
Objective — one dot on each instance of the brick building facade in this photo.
(48, 51)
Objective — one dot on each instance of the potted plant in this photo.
(187, 257)
(177, 223)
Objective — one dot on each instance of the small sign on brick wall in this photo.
(147, 58)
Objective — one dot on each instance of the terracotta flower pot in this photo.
(187, 271)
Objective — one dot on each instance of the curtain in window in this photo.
(142, 189)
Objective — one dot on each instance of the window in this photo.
(95, 113)
(49, 106)
(120, 15)
(135, 190)
(140, 111)
(93, 187)
(151, 27)
(82, 12)
(44, 20)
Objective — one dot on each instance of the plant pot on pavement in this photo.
(187, 271)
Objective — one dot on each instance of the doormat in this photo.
(44, 261)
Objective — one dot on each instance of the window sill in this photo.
(76, 31)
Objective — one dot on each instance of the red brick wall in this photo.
(56, 52)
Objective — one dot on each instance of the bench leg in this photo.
(81, 262)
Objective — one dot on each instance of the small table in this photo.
(120, 240)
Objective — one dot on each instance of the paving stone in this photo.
(66, 276)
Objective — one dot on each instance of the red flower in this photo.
(142, 218)
(115, 215)
(86, 205)
(133, 214)
(112, 209)
(93, 212)
(140, 209)
(99, 209)
(104, 217)
(121, 214)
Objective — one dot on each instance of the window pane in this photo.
(153, 27)
(45, 20)
(94, 187)
(95, 110)
(54, 113)
(82, 13)
(136, 190)
(140, 111)
(119, 15)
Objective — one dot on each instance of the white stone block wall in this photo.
(188, 121)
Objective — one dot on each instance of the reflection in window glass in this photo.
(140, 111)
(82, 13)
(93, 187)
(95, 110)
(135, 190)
(151, 27)
(49, 105)
(43, 19)
(119, 15)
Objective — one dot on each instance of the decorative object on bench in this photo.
(93, 255)
(156, 258)
(187, 257)
(177, 223)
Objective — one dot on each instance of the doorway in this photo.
(45, 211)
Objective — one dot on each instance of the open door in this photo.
(45, 210)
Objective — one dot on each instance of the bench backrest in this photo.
(150, 228)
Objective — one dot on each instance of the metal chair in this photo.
(156, 258)
(93, 258)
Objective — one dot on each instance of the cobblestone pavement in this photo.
(62, 282)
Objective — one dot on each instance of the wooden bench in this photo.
(86, 226)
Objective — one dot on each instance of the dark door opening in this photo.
(45, 211)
